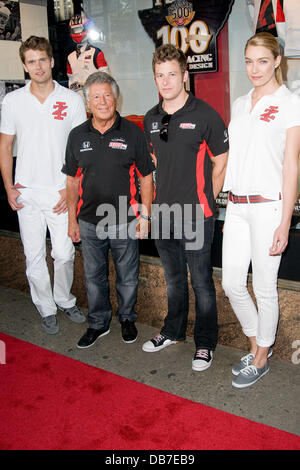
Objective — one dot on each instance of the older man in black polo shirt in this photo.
(106, 160)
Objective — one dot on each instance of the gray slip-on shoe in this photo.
(74, 314)
(246, 361)
(50, 325)
(249, 375)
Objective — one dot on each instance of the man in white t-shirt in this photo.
(41, 115)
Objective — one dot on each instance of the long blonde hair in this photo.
(270, 42)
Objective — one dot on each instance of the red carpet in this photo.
(49, 401)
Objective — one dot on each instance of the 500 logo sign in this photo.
(191, 26)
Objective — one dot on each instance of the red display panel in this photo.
(213, 87)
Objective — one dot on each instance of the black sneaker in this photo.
(129, 331)
(157, 343)
(202, 359)
(90, 337)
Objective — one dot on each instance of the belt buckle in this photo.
(233, 198)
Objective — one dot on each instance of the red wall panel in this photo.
(213, 87)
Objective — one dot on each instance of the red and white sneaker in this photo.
(202, 359)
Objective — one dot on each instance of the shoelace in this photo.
(249, 370)
(202, 354)
(158, 337)
(246, 360)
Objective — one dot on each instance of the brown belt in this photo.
(249, 199)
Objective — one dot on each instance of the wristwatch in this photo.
(147, 217)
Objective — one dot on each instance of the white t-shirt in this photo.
(42, 131)
(257, 142)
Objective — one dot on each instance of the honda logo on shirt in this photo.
(155, 127)
(86, 146)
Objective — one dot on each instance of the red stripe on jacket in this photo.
(79, 174)
(133, 202)
(200, 178)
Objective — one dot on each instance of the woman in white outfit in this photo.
(261, 177)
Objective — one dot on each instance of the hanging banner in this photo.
(192, 26)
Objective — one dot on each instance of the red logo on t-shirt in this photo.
(60, 107)
(267, 115)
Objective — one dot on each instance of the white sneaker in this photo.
(202, 359)
(157, 343)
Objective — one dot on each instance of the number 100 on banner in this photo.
(196, 43)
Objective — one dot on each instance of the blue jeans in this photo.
(125, 255)
(175, 258)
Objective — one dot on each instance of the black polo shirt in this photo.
(196, 132)
(108, 165)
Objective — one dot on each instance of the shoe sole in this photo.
(199, 369)
(54, 332)
(100, 336)
(159, 348)
(130, 341)
(249, 384)
(237, 373)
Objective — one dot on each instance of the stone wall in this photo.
(152, 302)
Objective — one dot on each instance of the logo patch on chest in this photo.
(60, 107)
(86, 146)
(267, 116)
(154, 127)
(118, 145)
(187, 125)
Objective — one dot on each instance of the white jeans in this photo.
(248, 236)
(34, 218)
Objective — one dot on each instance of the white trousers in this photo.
(34, 218)
(248, 236)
